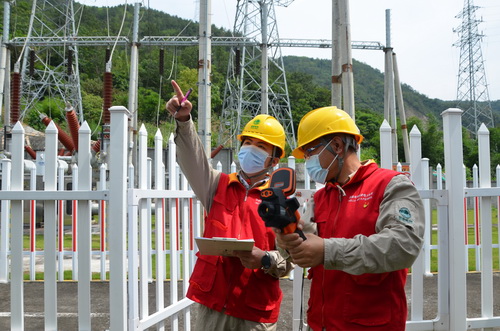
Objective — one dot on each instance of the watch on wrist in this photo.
(266, 261)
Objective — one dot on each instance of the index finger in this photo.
(177, 90)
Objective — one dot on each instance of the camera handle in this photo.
(276, 209)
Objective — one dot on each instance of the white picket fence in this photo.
(145, 230)
(452, 249)
(137, 248)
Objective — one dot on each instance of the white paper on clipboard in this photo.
(223, 246)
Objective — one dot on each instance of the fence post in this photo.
(466, 222)
(144, 247)
(385, 145)
(149, 220)
(31, 166)
(74, 219)
(16, 284)
(84, 226)
(426, 181)
(118, 204)
(159, 181)
(61, 169)
(102, 220)
(297, 275)
(133, 257)
(483, 136)
(476, 246)
(173, 229)
(454, 160)
(417, 270)
(187, 238)
(50, 229)
(5, 224)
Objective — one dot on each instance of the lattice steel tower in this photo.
(50, 62)
(472, 89)
(255, 81)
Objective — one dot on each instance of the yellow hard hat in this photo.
(265, 128)
(323, 121)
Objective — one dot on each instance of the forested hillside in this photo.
(308, 79)
(369, 87)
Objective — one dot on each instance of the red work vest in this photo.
(341, 301)
(222, 283)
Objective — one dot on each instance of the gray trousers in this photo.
(208, 319)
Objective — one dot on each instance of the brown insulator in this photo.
(108, 96)
(15, 97)
(162, 61)
(63, 136)
(73, 124)
(61, 152)
(70, 62)
(32, 63)
(216, 151)
(96, 147)
(30, 152)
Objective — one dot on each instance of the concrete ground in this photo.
(67, 303)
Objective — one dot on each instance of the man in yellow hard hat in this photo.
(370, 228)
(240, 292)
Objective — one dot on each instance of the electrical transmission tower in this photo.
(472, 89)
(50, 60)
(255, 81)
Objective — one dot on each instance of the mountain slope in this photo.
(369, 87)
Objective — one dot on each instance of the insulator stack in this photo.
(61, 152)
(73, 124)
(70, 62)
(32, 63)
(162, 61)
(63, 136)
(96, 147)
(30, 152)
(108, 96)
(15, 92)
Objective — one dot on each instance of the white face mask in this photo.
(252, 159)
(314, 168)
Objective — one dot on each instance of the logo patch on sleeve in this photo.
(405, 215)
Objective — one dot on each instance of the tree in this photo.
(151, 109)
(495, 150)
(432, 142)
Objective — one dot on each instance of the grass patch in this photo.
(471, 235)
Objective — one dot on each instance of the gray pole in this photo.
(345, 42)
(133, 85)
(336, 66)
(204, 70)
(387, 113)
(401, 108)
(264, 73)
(389, 99)
(3, 52)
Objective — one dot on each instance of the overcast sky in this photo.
(422, 34)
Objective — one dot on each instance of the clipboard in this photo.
(223, 246)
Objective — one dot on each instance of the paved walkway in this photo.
(67, 303)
